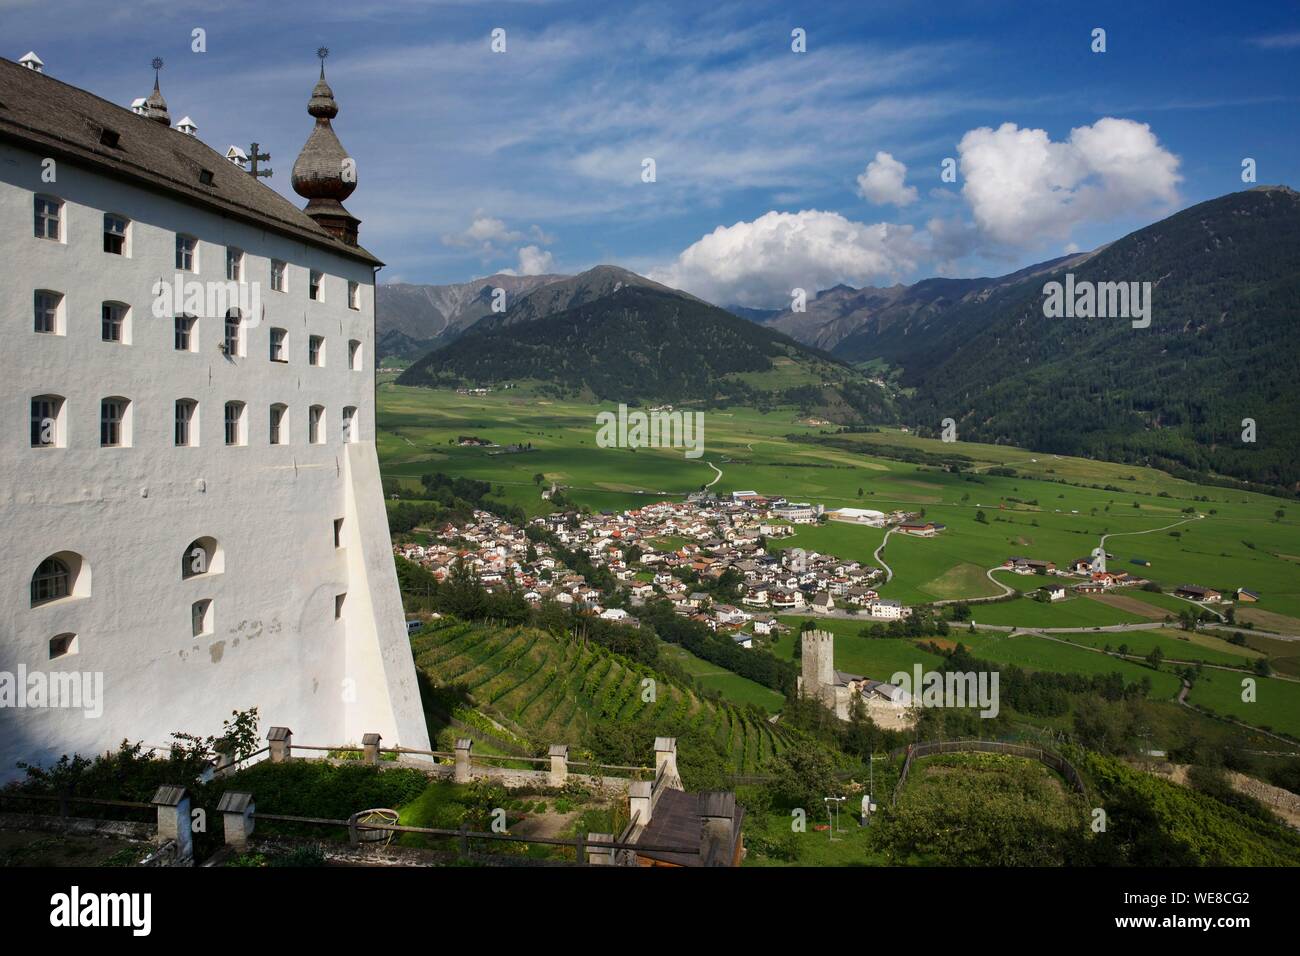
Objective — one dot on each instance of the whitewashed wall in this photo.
(130, 512)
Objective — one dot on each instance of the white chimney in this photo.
(186, 126)
(236, 156)
(138, 105)
(32, 62)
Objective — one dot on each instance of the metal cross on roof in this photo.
(253, 157)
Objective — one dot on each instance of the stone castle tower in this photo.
(819, 679)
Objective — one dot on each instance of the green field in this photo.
(1070, 612)
(1173, 644)
(1061, 506)
(711, 677)
(1276, 706)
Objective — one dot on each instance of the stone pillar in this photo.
(559, 764)
(600, 855)
(638, 801)
(236, 809)
(464, 762)
(280, 742)
(666, 753)
(174, 822)
(718, 834)
(370, 745)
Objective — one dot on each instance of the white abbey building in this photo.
(189, 490)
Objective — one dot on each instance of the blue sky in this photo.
(774, 169)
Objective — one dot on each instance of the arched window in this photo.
(279, 430)
(47, 422)
(315, 430)
(115, 322)
(354, 355)
(233, 341)
(61, 575)
(349, 424)
(187, 423)
(115, 422)
(201, 618)
(202, 556)
(235, 423)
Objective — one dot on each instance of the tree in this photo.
(980, 516)
(538, 478)
(804, 775)
(1155, 657)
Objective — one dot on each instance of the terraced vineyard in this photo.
(548, 689)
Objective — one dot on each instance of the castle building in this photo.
(886, 704)
(820, 680)
(188, 481)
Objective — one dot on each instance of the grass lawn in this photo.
(730, 685)
(1043, 654)
(1070, 612)
(1276, 706)
(1173, 644)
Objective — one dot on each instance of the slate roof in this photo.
(55, 119)
(677, 821)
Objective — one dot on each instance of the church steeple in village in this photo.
(324, 174)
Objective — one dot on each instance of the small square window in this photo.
(315, 288)
(47, 410)
(234, 264)
(113, 423)
(278, 351)
(113, 323)
(49, 218)
(186, 247)
(201, 618)
(47, 307)
(278, 270)
(115, 235)
(186, 340)
(63, 646)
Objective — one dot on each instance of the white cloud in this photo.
(882, 182)
(486, 233)
(534, 261)
(757, 263)
(1024, 188)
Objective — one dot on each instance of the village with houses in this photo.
(656, 550)
(679, 551)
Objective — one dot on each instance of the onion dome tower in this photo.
(155, 107)
(323, 173)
